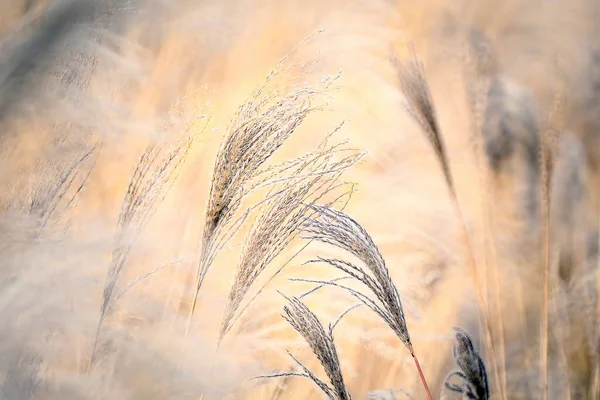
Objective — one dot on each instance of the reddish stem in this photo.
(422, 377)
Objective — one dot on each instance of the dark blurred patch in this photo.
(21, 379)
(32, 46)
(510, 122)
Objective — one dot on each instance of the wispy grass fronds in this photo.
(311, 178)
(57, 190)
(279, 391)
(154, 175)
(259, 128)
(473, 375)
(321, 342)
(274, 231)
(340, 230)
(421, 108)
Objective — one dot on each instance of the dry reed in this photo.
(321, 342)
(335, 228)
(420, 106)
(261, 126)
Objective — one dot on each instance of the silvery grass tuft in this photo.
(321, 342)
(340, 230)
(58, 190)
(473, 376)
(313, 177)
(259, 128)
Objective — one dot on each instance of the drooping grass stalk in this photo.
(152, 179)
(498, 309)
(321, 342)
(421, 108)
(337, 229)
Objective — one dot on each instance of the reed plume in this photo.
(321, 342)
(420, 106)
(340, 230)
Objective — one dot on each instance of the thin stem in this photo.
(422, 376)
(497, 302)
(487, 213)
(199, 280)
(595, 393)
(484, 323)
(191, 313)
(544, 325)
(95, 346)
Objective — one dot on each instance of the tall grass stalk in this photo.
(480, 65)
(337, 229)
(420, 106)
(595, 386)
(546, 161)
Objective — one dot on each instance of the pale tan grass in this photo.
(154, 175)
